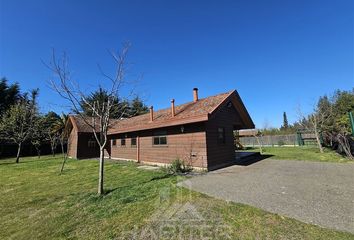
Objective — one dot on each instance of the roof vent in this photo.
(173, 113)
(151, 113)
(195, 94)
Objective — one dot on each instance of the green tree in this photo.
(99, 97)
(9, 95)
(38, 136)
(120, 108)
(16, 124)
(343, 103)
(137, 107)
(330, 117)
(285, 121)
(49, 123)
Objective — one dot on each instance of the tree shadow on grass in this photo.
(9, 162)
(110, 191)
(6, 163)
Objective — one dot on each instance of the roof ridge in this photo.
(226, 97)
(167, 108)
(185, 113)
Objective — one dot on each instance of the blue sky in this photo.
(277, 54)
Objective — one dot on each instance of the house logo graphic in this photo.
(179, 213)
(180, 221)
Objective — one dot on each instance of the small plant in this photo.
(178, 167)
(281, 143)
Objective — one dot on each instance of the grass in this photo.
(38, 203)
(301, 153)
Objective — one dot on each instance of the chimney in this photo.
(173, 107)
(151, 113)
(195, 94)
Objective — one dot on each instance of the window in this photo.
(160, 138)
(114, 142)
(91, 143)
(221, 135)
(133, 142)
(122, 142)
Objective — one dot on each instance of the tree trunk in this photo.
(38, 149)
(317, 134)
(343, 141)
(101, 170)
(64, 156)
(18, 153)
(62, 147)
(62, 166)
(260, 145)
(318, 140)
(53, 151)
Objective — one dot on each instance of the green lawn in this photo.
(301, 153)
(38, 203)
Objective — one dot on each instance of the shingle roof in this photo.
(185, 113)
(80, 123)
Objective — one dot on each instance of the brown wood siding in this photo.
(83, 150)
(78, 146)
(221, 154)
(72, 144)
(189, 146)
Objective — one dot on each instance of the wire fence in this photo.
(270, 140)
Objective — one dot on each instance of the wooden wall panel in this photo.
(189, 145)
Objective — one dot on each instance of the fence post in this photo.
(299, 142)
(351, 119)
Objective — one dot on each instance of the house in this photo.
(199, 132)
(81, 140)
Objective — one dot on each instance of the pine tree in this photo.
(122, 108)
(285, 121)
(9, 95)
(138, 107)
(98, 97)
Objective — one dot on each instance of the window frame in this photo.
(221, 139)
(131, 141)
(123, 140)
(160, 135)
(114, 142)
(91, 143)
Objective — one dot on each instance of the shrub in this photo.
(281, 143)
(178, 167)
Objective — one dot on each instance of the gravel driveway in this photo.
(312, 192)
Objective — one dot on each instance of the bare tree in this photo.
(266, 124)
(53, 138)
(315, 122)
(258, 137)
(60, 128)
(99, 121)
